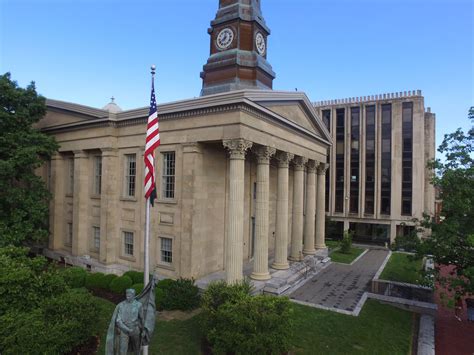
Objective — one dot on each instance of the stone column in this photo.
(260, 262)
(298, 200)
(235, 217)
(81, 229)
(281, 237)
(57, 206)
(109, 213)
(320, 208)
(309, 225)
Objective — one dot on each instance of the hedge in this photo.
(120, 284)
(75, 276)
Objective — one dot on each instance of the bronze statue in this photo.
(133, 322)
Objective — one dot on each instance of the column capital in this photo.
(311, 165)
(192, 147)
(263, 154)
(79, 154)
(322, 168)
(299, 162)
(109, 152)
(237, 147)
(56, 156)
(284, 159)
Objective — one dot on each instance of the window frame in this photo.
(97, 181)
(126, 233)
(168, 176)
(165, 253)
(93, 247)
(128, 176)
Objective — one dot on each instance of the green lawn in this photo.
(339, 257)
(400, 268)
(379, 329)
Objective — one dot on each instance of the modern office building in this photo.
(378, 180)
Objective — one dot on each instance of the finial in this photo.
(112, 99)
(153, 69)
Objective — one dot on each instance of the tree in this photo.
(23, 195)
(452, 240)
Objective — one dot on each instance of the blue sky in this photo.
(85, 51)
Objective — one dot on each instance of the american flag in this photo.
(152, 142)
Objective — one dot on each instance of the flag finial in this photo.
(153, 69)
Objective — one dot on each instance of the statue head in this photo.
(130, 294)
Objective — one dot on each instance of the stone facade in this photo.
(242, 161)
(411, 144)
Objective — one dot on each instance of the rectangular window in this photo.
(407, 158)
(327, 119)
(355, 137)
(386, 164)
(340, 159)
(70, 185)
(128, 243)
(97, 175)
(166, 250)
(95, 239)
(68, 241)
(168, 176)
(130, 174)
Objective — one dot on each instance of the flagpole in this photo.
(146, 271)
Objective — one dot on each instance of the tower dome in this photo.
(112, 106)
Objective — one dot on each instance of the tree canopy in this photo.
(452, 240)
(23, 195)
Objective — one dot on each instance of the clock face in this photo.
(225, 38)
(260, 43)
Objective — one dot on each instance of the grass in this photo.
(401, 268)
(339, 257)
(379, 329)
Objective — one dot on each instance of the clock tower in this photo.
(238, 58)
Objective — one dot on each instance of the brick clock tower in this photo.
(238, 57)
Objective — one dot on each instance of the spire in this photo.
(238, 57)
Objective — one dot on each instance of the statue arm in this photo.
(120, 324)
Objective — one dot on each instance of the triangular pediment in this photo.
(294, 107)
(295, 113)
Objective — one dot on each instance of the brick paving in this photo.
(342, 286)
(452, 336)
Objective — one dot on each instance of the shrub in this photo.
(25, 282)
(136, 276)
(408, 242)
(47, 330)
(346, 242)
(74, 277)
(138, 288)
(181, 294)
(120, 284)
(95, 280)
(107, 280)
(220, 292)
(236, 322)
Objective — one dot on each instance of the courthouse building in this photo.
(241, 170)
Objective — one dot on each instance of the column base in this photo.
(260, 276)
(281, 266)
(309, 252)
(320, 246)
(292, 258)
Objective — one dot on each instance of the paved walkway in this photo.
(341, 286)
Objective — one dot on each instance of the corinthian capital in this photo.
(299, 162)
(312, 165)
(264, 154)
(322, 168)
(284, 159)
(237, 147)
